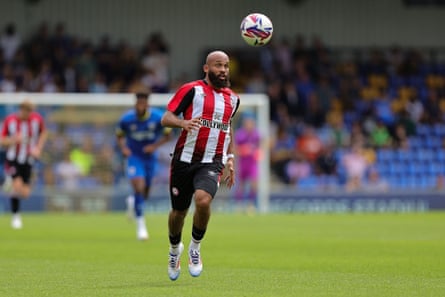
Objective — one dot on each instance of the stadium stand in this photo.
(390, 102)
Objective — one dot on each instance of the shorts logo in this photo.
(131, 170)
(175, 191)
(11, 170)
(212, 173)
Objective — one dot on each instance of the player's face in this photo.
(218, 73)
(141, 106)
(24, 113)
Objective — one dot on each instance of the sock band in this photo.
(15, 205)
(197, 234)
(175, 239)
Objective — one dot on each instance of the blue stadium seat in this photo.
(414, 142)
(424, 155)
(424, 130)
(439, 130)
(385, 155)
(433, 168)
(416, 81)
(397, 81)
(307, 183)
(382, 168)
(439, 156)
(404, 155)
(433, 142)
(397, 168)
(414, 168)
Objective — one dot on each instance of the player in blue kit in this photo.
(139, 134)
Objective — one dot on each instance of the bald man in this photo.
(203, 109)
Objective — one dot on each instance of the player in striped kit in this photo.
(204, 110)
(24, 135)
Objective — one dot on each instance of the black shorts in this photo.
(185, 178)
(15, 169)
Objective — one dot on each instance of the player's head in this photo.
(141, 103)
(25, 109)
(216, 69)
(248, 121)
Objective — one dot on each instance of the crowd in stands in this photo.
(362, 119)
(52, 60)
(348, 121)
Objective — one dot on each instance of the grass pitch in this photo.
(260, 255)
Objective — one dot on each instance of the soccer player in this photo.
(247, 141)
(24, 135)
(203, 109)
(139, 134)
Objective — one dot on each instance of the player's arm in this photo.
(169, 119)
(163, 139)
(36, 151)
(177, 105)
(230, 163)
(10, 140)
(6, 139)
(121, 141)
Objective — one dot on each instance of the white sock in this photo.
(174, 249)
(195, 244)
(140, 222)
(130, 201)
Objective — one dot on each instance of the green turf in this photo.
(261, 255)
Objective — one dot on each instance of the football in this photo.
(256, 29)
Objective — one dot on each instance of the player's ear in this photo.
(205, 68)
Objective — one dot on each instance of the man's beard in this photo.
(217, 83)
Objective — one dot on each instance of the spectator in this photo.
(7, 83)
(297, 168)
(67, 173)
(83, 156)
(401, 140)
(309, 145)
(355, 165)
(10, 42)
(155, 61)
(282, 150)
(374, 183)
(326, 163)
(380, 137)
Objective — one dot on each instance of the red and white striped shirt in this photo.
(29, 131)
(216, 109)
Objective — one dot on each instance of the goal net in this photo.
(85, 123)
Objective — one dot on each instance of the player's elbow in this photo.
(165, 120)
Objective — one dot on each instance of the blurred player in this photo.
(139, 134)
(247, 140)
(204, 110)
(24, 135)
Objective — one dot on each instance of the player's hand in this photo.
(126, 151)
(149, 148)
(35, 152)
(15, 139)
(191, 125)
(230, 177)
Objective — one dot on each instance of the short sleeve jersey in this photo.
(216, 109)
(140, 132)
(29, 131)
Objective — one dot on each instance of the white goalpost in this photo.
(98, 106)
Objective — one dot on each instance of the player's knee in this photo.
(25, 191)
(202, 199)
